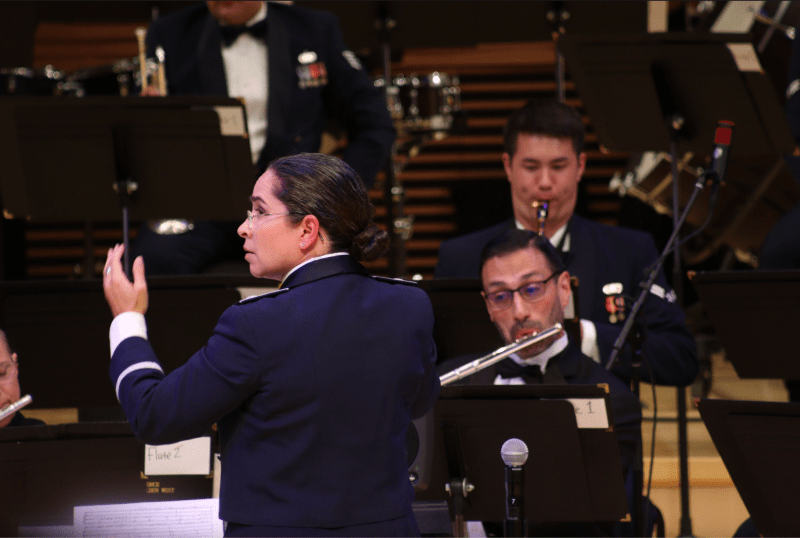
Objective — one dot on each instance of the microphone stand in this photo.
(626, 331)
(399, 225)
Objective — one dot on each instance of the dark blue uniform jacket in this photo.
(312, 388)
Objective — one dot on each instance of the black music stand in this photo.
(82, 160)
(60, 330)
(573, 475)
(48, 470)
(631, 85)
(759, 443)
(754, 313)
(461, 321)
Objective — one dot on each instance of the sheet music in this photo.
(590, 413)
(151, 519)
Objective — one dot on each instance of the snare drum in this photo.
(423, 102)
(27, 81)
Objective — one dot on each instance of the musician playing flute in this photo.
(544, 161)
(9, 386)
(526, 289)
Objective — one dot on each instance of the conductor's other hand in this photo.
(121, 294)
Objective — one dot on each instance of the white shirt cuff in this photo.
(124, 326)
(589, 345)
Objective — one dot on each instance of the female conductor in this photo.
(312, 386)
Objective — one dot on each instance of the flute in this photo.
(10, 409)
(497, 355)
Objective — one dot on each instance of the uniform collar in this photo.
(322, 267)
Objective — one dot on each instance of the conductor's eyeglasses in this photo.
(251, 216)
(531, 292)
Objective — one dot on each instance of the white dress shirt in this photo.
(246, 71)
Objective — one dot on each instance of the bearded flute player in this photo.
(526, 289)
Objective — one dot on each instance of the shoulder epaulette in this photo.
(262, 296)
(394, 280)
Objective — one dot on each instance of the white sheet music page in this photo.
(198, 518)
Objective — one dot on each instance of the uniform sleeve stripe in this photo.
(138, 366)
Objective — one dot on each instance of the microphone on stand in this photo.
(515, 453)
(721, 152)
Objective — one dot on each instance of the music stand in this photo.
(573, 475)
(60, 330)
(631, 84)
(90, 159)
(759, 443)
(752, 313)
(635, 86)
(461, 321)
(48, 470)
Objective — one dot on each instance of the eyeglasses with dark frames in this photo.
(531, 292)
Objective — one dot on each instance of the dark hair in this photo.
(326, 187)
(4, 341)
(515, 239)
(547, 117)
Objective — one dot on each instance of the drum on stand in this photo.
(120, 78)
(28, 81)
(422, 103)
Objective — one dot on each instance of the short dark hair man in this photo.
(544, 161)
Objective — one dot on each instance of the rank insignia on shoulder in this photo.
(272, 293)
(352, 59)
(394, 280)
(669, 296)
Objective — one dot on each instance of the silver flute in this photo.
(10, 409)
(497, 355)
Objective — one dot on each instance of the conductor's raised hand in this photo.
(121, 294)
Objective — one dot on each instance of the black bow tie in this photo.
(508, 369)
(230, 33)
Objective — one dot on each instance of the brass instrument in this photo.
(10, 409)
(540, 210)
(497, 355)
(161, 75)
(141, 33)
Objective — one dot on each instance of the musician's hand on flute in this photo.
(121, 294)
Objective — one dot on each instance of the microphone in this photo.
(515, 453)
(721, 151)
